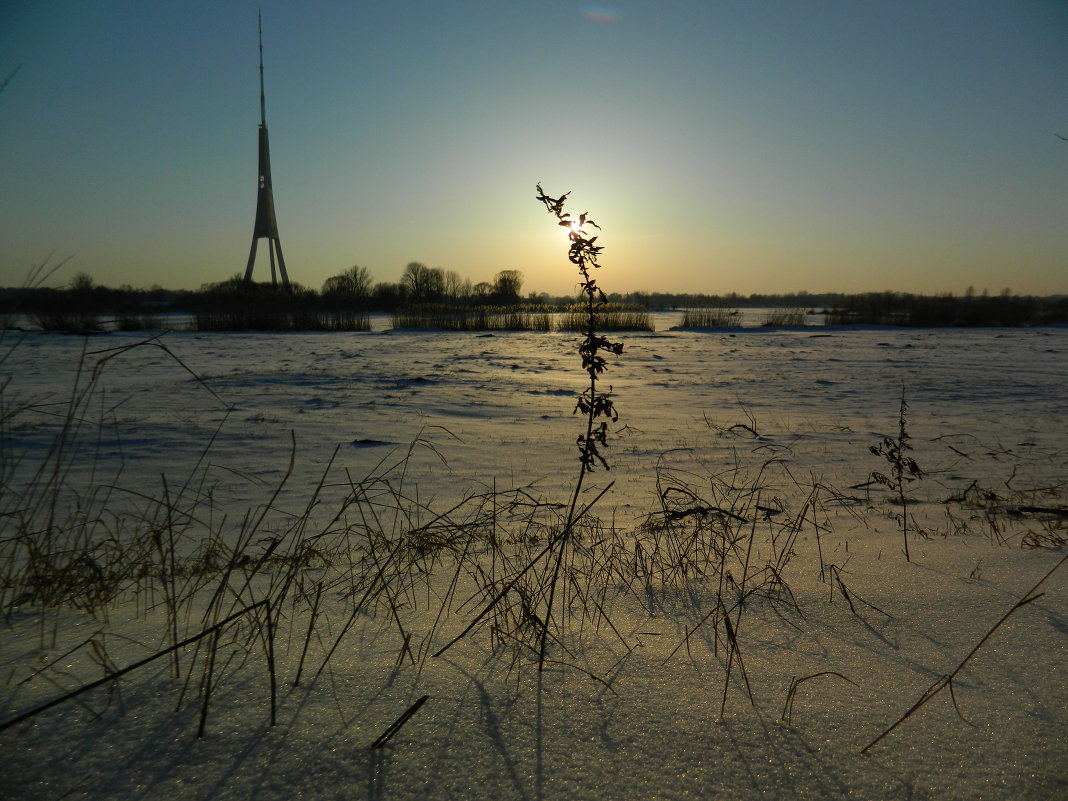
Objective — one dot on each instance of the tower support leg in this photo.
(251, 260)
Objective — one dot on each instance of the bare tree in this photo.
(507, 285)
(453, 285)
(354, 282)
(423, 283)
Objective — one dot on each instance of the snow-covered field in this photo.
(741, 456)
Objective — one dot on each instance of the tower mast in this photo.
(266, 226)
(263, 98)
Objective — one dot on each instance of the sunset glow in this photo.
(738, 147)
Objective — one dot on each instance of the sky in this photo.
(722, 146)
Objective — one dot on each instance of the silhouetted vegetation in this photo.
(709, 317)
(238, 305)
(348, 290)
(787, 316)
(455, 317)
(428, 297)
(611, 317)
(85, 307)
(731, 300)
(926, 311)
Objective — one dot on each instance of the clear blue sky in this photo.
(831, 145)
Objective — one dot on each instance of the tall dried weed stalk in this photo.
(595, 404)
(903, 468)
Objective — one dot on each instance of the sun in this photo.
(571, 228)
(577, 227)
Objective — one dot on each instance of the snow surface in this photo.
(626, 713)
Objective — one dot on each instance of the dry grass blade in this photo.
(129, 668)
(396, 726)
(791, 695)
(947, 680)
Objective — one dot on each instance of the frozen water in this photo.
(778, 410)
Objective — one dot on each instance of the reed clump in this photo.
(447, 317)
(239, 305)
(611, 317)
(777, 318)
(710, 317)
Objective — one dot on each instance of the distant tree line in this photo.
(878, 308)
(684, 300)
(926, 311)
(342, 302)
(345, 299)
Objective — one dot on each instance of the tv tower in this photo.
(266, 226)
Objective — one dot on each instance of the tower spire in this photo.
(266, 226)
(263, 99)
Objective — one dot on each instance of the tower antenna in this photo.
(266, 226)
(263, 98)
